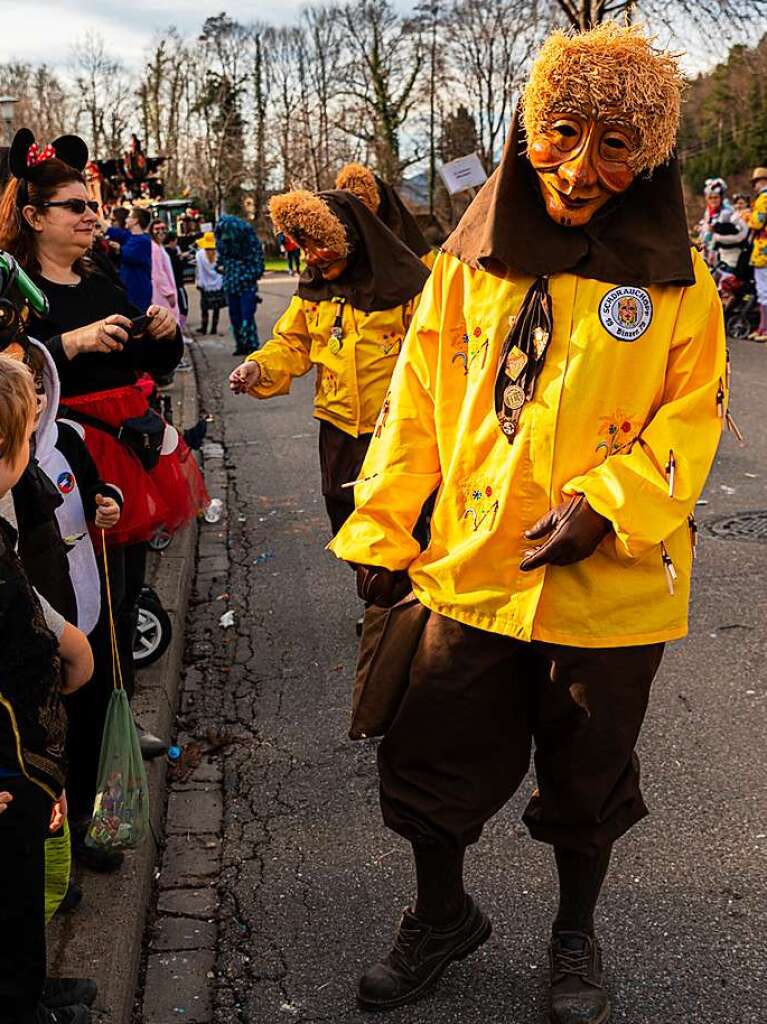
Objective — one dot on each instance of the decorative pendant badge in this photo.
(626, 312)
(336, 340)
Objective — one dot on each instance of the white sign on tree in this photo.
(465, 172)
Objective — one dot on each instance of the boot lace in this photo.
(401, 956)
(572, 961)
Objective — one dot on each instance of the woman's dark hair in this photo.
(120, 214)
(142, 216)
(16, 234)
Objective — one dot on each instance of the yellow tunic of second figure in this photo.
(351, 382)
(628, 411)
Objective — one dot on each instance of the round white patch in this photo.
(626, 312)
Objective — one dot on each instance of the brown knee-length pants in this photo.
(460, 745)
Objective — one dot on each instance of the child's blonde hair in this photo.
(18, 406)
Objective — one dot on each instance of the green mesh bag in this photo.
(121, 808)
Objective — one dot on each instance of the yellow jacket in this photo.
(758, 224)
(606, 414)
(351, 383)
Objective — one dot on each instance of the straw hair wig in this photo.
(361, 182)
(609, 71)
(305, 217)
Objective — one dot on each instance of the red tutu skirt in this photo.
(167, 496)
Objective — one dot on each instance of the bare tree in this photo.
(491, 48)
(220, 76)
(430, 16)
(43, 103)
(162, 94)
(727, 15)
(259, 95)
(323, 43)
(387, 57)
(103, 96)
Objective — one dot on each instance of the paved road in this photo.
(313, 885)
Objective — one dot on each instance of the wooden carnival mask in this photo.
(581, 163)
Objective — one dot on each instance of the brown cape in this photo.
(399, 219)
(639, 238)
(382, 272)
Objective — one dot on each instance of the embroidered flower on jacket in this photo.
(481, 509)
(617, 432)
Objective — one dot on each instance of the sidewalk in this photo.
(103, 938)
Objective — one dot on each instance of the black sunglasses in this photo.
(77, 206)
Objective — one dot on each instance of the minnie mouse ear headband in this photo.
(26, 156)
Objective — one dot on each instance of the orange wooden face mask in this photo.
(581, 164)
(330, 263)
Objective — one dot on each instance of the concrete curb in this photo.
(103, 938)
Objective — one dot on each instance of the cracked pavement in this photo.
(311, 883)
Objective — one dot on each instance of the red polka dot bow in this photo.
(36, 156)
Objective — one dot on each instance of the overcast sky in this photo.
(46, 30)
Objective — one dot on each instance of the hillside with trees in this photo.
(724, 120)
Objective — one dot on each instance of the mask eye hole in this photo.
(565, 134)
(615, 146)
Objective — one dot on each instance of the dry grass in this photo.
(614, 72)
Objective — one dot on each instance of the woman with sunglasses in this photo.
(101, 344)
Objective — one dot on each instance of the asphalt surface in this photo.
(313, 884)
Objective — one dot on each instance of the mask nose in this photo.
(580, 172)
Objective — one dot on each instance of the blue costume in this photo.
(241, 261)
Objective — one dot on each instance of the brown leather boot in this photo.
(419, 956)
(578, 995)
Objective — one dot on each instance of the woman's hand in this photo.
(108, 335)
(162, 324)
(244, 377)
(59, 813)
(5, 799)
(107, 513)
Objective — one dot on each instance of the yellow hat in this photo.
(208, 241)
(759, 172)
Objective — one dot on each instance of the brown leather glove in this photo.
(381, 586)
(570, 532)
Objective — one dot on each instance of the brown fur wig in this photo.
(614, 72)
(361, 182)
(306, 218)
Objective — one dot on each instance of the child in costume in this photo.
(43, 657)
(563, 384)
(348, 318)
(210, 283)
(385, 202)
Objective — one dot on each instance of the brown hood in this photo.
(399, 219)
(382, 272)
(639, 238)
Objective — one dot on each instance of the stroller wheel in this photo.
(160, 540)
(153, 630)
(739, 326)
